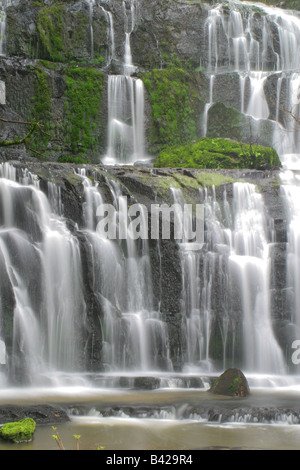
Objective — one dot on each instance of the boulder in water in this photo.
(231, 383)
(19, 431)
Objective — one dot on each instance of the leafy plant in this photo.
(60, 444)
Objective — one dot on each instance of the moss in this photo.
(218, 153)
(41, 111)
(48, 64)
(43, 95)
(50, 27)
(174, 102)
(163, 184)
(186, 181)
(213, 179)
(234, 385)
(82, 108)
(71, 159)
(18, 431)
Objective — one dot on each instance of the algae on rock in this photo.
(176, 107)
(218, 153)
(18, 431)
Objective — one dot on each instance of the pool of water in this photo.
(164, 419)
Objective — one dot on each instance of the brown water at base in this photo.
(171, 433)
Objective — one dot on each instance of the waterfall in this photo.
(135, 336)
(209, 104)
(226, 316)
(3, 5)
(91, 3)
(125, 104)
(236, 257)
(250, 258)
(35, 243)
(260, 44)
(111, 34)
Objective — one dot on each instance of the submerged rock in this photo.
(19, 431)
(231, 383)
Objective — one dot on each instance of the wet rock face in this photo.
(41, 414)
(56, 31)
(231, 383)
(154, 43)
(148, 186)
(56, 36)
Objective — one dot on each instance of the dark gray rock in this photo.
(41, 414)
(232, 383)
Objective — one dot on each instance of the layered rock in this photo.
(148, 186)
(170, 44)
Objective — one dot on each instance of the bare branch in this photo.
(38, 124)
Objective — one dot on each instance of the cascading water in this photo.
(236, 257)
(135, 337)
(92, 3)
(260, 44)
(241, 39)
(111, 35)
(3, 5)
(56, 275)
(126, 104)
(250, 259)
(36, 241)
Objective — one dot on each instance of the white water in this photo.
(110, 34)
(91, 3)
(48, 348)
(126, 120)
(45, 335)
(250, 258)
(126, 142)
(4, 4)
(253, 53)
(135, 337)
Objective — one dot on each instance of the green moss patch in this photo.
(213, 179)
(82, 108)
(55, 42)
(218, 153)
(19, 431)
(50, 25)
(174, 104)
(41, 111)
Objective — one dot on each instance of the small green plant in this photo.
(77, 437)
(57, 439)
(60, 444)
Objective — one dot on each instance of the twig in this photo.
(22, 122)
(57, 438)
(17, 141)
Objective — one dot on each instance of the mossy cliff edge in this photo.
(218, 153)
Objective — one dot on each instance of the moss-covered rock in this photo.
(57, 31)
(218, 153)
(176, 108)
(82, 108)
(231, 383)
(18, 431)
